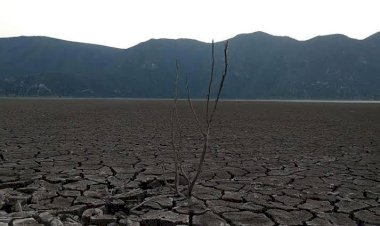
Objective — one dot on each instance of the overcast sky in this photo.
(124, 23)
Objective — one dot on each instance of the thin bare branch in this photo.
(179, 125)
(168, 185)
(192, 107)
(175, 114)
(179, 193)
(148, 200)
(175, 155)
(210, 81)
(206, 135)
(184, 174)
(221, 82)
(176, 100)
(209, 118)
(200, 164)
(165, 181)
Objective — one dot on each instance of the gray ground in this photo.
(78, 162)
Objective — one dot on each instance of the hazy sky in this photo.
(124, 23)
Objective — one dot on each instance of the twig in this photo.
(175, 112)
(169, 186)
(192, 107)
(221, 82)
(210, 81)
(184, 174)
(200, 164)
(148, 200)
(165, 181)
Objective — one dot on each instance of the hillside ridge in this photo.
(262, 66)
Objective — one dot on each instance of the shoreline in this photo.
(195, 99)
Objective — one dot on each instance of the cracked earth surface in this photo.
(89, 162)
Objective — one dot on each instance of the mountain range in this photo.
(261, 66)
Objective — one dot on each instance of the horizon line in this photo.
(184, 38)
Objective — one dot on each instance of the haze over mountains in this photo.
(261, 66)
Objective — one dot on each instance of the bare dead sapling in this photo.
(204, 128)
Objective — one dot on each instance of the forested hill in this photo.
(261, 66)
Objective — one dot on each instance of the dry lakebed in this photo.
(108, 162)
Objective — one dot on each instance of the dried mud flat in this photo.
(82, 162)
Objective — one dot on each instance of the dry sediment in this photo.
(74, 162)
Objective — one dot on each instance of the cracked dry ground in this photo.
(74, 162)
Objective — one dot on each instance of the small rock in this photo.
(124, 222)
(121, 215)
(56, 222)
(25, 222)
(105, 171)
(232, 196)
(45, 217)
(87, 214)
